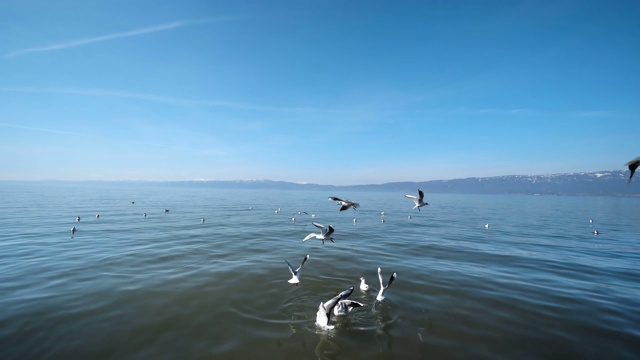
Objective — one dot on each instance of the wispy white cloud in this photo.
(38, 129)
(136, 32)
(213, 152)
(168, 99)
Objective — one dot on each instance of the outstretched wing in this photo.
(414, 198)
(293, 272)
(302, 263)
(391, 279)
(318, 225)
(309, 236)
(352, 304)
(421, 194)
(329, 231)
(335, 198)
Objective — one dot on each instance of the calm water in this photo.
(537, 284)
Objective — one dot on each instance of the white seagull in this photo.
(344, 204)
(325, 309)
(202, 221)
(325, 233)
(78, 218)
(383, 288)
(295, 279)
(363, 285)
(419, 200)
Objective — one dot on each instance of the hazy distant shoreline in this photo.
(597, 183)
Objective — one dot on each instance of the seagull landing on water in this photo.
(295, 279)
(633, 165)
(363, 285)
(383, 288)
(418, 200)
(326, 308)
(344, 307)
(325, 233)
(344, 204)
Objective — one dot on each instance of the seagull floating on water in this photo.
(166, 211)
(363, 285)
(145, 214)
(486, 226)
(384, 288)
(596, 232)
(73, 231)
(295, 279)
(344, 204)
(325, 233)
(202, 221)
(633, 165)
(78, 218)
(325, 309)
(418, 200)
(97, 216)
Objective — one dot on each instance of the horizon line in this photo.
(301, 183)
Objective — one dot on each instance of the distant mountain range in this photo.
(601, 183)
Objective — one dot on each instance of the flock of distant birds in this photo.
(340, 305)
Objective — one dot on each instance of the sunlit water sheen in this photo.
(537, 284)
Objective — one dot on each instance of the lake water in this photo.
(538, 284)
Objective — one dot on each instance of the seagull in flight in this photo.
(633, 165)
(326, 308)
(325, 233)
(419, 200)
(344, 204)
(384, 288)
(295, 279)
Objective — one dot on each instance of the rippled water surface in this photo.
(537, 284)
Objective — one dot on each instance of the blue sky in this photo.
(328, 92)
